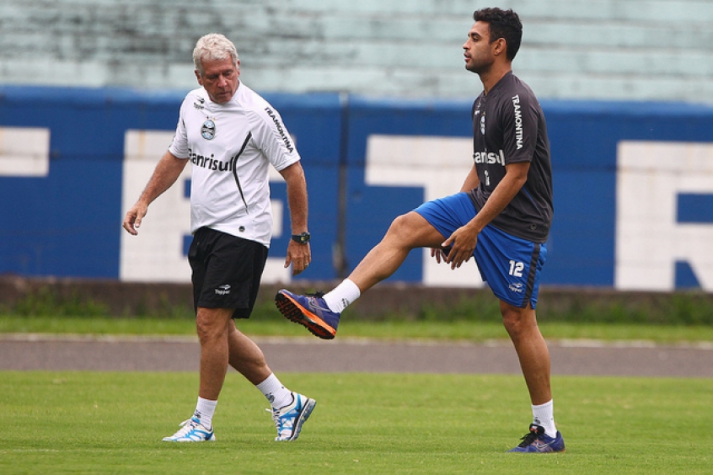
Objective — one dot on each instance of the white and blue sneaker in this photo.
(192, 431)
(289, 419)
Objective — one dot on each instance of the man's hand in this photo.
(299, 255)
(166, 173)
(462, 244)
(133, 218)
(439, 253)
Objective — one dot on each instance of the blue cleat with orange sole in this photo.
(310, 311)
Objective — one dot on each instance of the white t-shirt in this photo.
(231, 146)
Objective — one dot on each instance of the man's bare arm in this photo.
(165, 174)
(299, 255)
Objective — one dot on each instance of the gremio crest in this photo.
(208, 130)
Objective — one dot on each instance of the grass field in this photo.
(80, 422)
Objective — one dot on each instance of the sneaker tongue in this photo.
(535, 429)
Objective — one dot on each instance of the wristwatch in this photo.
(301, 238)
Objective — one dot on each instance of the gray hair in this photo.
(211, 47)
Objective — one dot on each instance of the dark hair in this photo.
(502, 24)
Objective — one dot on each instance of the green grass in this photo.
(453, 330)
(81, 422)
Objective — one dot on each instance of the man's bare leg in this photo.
(212, 330)
(246, 357)
(321, 315)
(407, 232)
(534, 356)
(212, 326)
(222, 345)
(290, 410)
(531, 348)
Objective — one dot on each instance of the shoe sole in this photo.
(295, 312)
(304, 415)
(550, 451)
(186, 441)
(538, 452)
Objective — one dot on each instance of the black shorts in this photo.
(226, 271)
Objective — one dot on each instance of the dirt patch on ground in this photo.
(36, 352)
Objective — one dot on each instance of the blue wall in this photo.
(68, 223)
(583, 140)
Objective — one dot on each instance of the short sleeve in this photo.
(520, 122)
(273, 138)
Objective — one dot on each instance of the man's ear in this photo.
(500, 46)
(198, 77)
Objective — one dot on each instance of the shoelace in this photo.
(529, 438)
(188, 426)
(275, 419)
(278, 422)
(318, 295)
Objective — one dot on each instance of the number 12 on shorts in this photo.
(516, 268)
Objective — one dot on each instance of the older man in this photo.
(232, 136)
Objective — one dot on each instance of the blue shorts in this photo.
(510, 265)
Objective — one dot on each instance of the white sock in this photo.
(275, 392)
(543, 415)
(204, 412)
(342, 296)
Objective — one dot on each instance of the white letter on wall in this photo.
(156, 254)
(649, 241)
(24, 151)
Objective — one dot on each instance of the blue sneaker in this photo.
(192, 431)
(310, 311)
(539, 442)
(289, 419)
